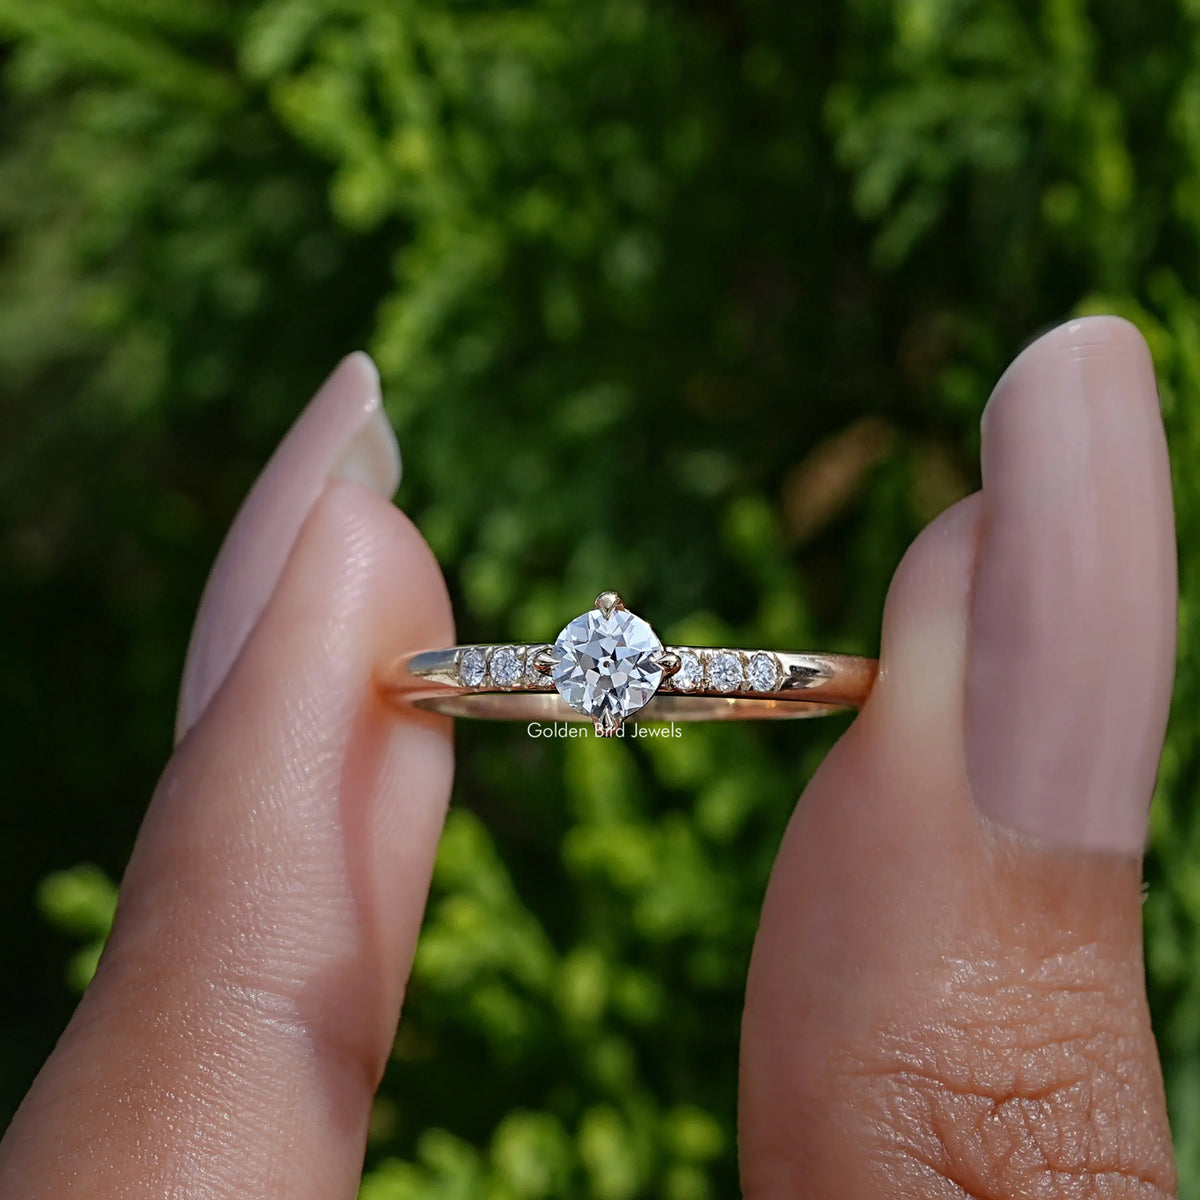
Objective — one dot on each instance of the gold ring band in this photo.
(810, 685)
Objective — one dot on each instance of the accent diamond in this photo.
(472, 667)
(691, 671)
(604, 666)
(725, 670)
(506, 666)
(532, 674)
(763, 672)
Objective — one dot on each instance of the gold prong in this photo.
(670, 662)
(607, 601)
(607, 724)
(543, 661)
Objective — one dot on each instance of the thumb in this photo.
(946, 996)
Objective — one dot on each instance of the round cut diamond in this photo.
(763, 672)
(532, 674)
(691, 671)
(606, 667)
(725, 670)
(472, 667)
(506, 666)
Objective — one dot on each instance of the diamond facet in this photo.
(604, 666)
(691, 671)
(506, 666)
(532, 674)
(472, 667)
(763, 672)
(725, 670)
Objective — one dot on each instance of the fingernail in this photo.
(343, 433)
(1072, 641)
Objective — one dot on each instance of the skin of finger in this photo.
(244, 1008)
(259, 540)
(937, 1007)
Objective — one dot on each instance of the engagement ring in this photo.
(608, 665)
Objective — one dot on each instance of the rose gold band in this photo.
(477, 681)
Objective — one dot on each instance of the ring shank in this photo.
(808, 685)
(550, 706)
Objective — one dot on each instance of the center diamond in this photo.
(607, 665)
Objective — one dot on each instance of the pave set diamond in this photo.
(501, 666)
(608, 663)
(726, 671)
(718, 670)
(507, 666)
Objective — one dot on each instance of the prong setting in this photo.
(543, 661)
(607, 724)
(608, 602)
(670, 663)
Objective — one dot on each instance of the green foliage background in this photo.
(770, 256)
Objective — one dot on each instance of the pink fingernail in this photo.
(1072, 644)
(343, 433)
